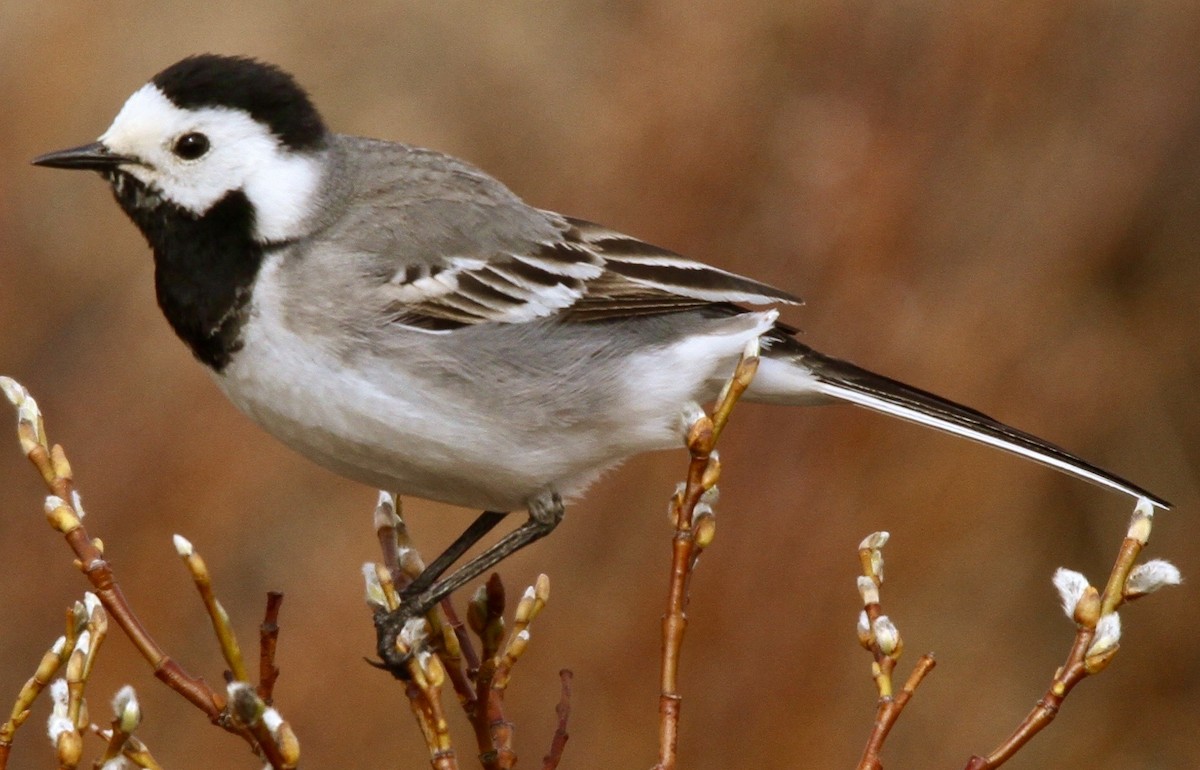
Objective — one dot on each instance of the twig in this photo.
(563, 711)
(65, 513)
(494, 731)
(273, 736)
(879, 636)
(268, 639)
(438, 647)
(500, 728)
(888, 712)
(694, 530)
(127, 715)
(460, 657)
(270, 736)
(132, 749)
(61, 728)
(424, 691)
(230, 649)
(51, 662)
(403, 563)
(388, 528)
(1098, 629)
(68, 716)
(98, 572)
(425, 671)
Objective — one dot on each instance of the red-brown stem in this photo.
(489, 759)
(888, 712)
(460, 669)
(702, 474)
(495, 743)
(425, 707)
(501, 731)
(563, 711)
(1042, 714)
(391, 557)
(267, 746)
(444, 760)
(478, 718)
(1073, 671)
(674, 626)
(268, 639)
(99, 573)
(683, 545)
(493, 733)
(470, 656)
(668, 732)
(1114, 590)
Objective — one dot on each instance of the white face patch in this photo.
(243, 155)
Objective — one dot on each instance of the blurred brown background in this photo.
(994, 201)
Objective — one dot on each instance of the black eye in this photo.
(191, 146)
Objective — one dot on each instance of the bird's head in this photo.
(204, 129)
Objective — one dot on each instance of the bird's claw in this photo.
(393, 658)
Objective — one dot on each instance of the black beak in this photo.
(94, 156)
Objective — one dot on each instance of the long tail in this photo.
(844, 381)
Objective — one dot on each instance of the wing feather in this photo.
(589, 274)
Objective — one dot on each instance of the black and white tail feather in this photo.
(844, 381)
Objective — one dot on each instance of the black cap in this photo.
(270, 95)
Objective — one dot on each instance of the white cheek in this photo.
(283, 191)
(197, 185)
(245, 156)
(281, 187)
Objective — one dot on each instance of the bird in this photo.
(405, 320)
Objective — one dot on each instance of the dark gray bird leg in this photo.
(482, 525)
(422, 594)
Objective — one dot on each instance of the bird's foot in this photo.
(395, 645)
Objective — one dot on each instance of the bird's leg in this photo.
(539, 524)
(482, 525)
(419, 597)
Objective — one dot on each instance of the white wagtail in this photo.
(402, 318)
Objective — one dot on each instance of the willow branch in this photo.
(694, 529)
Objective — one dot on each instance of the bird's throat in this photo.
(204, 266)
